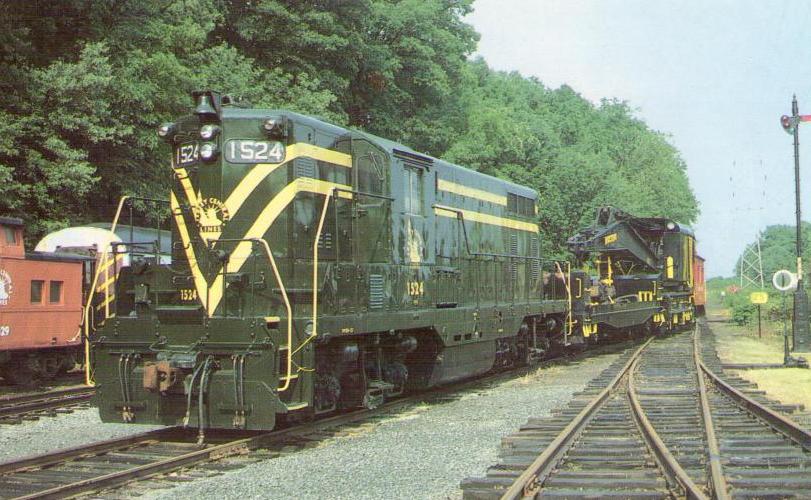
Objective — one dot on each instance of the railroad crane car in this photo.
(316, 267)
(644, 270)
(40, 308)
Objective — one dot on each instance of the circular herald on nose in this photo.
(211, 215)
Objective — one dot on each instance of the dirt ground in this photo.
(742, 345)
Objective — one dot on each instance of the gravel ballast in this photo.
(63, 431)
(421, 452)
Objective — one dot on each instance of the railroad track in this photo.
(109, 464)
(14, 409)
(658, 423)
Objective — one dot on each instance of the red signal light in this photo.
(788, 123)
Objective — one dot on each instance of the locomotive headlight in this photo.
(208, 150)
(275, 127)
(166, 130)
(270, 124)
(209, 131)
(671, 226)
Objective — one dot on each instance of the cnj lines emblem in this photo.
(5, 287)
(211, 215)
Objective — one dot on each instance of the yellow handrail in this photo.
(88, 375)
(330, 194)
(287, 306)
(567, 282)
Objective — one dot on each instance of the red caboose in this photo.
(40, 308)
(699, 288)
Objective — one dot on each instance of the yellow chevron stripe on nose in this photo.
(210, 295)
(265, 220)
(191, 258)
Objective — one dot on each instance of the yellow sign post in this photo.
(759, 298)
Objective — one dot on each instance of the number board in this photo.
(249, 151)
(187, 153)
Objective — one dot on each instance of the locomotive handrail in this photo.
(568, 285)
(461, 217)
(262, 242)
(88, 374)
(92, 290)
(362, 193)
(315, 268)
(330, 194)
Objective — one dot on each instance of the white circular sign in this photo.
(784, 280)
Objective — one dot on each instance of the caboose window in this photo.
(56, 292)
(36, 291)
(413, 191)
(11, 235)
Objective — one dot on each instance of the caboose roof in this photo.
(57, 257)
(11, 221)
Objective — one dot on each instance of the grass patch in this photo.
(737, 345)
(740, 344)
(787, 385)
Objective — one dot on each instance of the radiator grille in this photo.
(514, 251)
(376, 296)
(413, 159)
(325, 242)
(535, 270)
(305, 167)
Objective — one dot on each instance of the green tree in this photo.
(577, 155)
(86, 83)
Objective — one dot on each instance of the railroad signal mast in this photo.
(801, 333)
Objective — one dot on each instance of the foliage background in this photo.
(778, 251)
(86, 82)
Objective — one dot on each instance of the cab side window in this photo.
(413, 191)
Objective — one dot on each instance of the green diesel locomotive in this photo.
(315, 268)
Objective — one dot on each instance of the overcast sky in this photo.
(714, 75)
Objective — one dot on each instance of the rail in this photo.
(529, 481)
(12, 407)
(781, 423)
(717, 479)
(673, 469)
